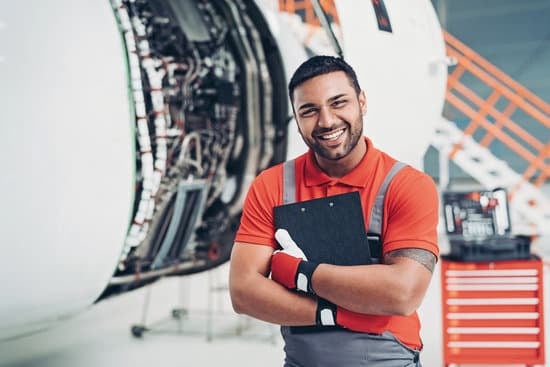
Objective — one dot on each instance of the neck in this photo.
(341, 167)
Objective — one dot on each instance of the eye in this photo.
(339, 103)
(308, 112)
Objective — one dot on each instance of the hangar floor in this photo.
(101, 336)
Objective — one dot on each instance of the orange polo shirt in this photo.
(411, 213)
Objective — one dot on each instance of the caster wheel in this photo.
(137, 330)
(178, 313)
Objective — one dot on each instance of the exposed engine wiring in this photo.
(185, 99)
(207, 86)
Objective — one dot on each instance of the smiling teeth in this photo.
(332, 136)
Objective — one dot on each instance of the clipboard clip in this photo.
(375, 245)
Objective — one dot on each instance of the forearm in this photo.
(254, 294)
(371, 289)
(266, 300)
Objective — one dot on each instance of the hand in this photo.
(289, 266)
(287, 243)
(356, 321)
(326, 313)
(329, 314)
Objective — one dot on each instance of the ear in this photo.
(363, 102)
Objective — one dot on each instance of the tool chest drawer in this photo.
(493, 312)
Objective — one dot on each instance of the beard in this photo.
(354, 134)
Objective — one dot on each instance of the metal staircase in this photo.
(501, 115)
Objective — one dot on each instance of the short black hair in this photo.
(319, 65)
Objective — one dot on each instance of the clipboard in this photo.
(328, 230)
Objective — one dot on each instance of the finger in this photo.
(283, 237)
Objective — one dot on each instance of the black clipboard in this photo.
(328, 230)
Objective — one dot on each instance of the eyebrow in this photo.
(330, 100)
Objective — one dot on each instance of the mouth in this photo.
(332, 136)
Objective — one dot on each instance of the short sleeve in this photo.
(256, 226)
(411, 212)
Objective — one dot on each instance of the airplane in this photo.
(131, 130)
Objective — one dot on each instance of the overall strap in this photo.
(377, 213)
(289, 182)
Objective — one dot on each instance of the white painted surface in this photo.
(67, 158)
(403, 73)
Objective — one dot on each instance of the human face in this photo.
(329, 114)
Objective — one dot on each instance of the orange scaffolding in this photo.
(491, 118)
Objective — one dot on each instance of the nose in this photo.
(326, 118)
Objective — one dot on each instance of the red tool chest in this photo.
(493, 312)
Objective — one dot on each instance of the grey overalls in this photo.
(330, 347)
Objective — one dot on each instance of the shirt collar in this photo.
(358, 177)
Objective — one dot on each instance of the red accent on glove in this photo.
(351, 320)
(360, 322)
(284, 268)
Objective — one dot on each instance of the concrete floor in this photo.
(101, 336)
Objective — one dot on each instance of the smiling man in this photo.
(335, 315)
(331, 122)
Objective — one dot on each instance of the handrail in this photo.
(491, 120)
(305, 9)
(499, 74)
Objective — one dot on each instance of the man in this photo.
(373, 307)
